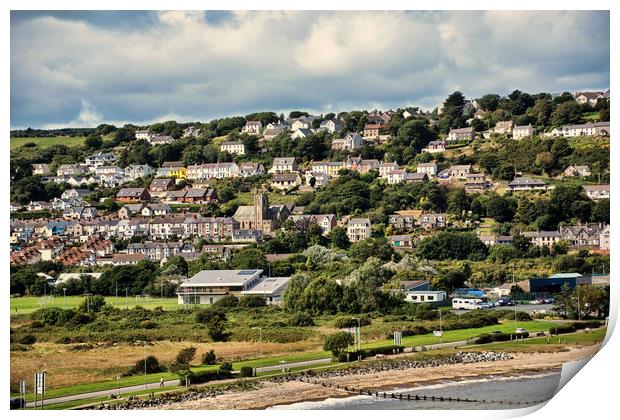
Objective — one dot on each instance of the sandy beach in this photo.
(271, 394)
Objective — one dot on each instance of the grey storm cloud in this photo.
(84, 69)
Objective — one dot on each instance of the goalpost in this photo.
(142, 299)
(46, 300)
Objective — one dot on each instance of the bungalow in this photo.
(430, 221)
(285, 181)
(282, 165)
(476, 183)
(331, 126)
(79, 213)
(429, 168)
(401, 241)
(590, 98)
(192, 131)
(526, 184)
(174, 196)
(70, 170)
(320, 179)
(233, 147)
(436, 146)
(461, 134)
(200, 195)
(404, 219)
(252, 127)
(523, 131)
(251, 168)
(597, 192)
(301, 133)
(372, 131)
(426, 296)
(38, 206)
(143, 135)
(387, 167)
(367, 165)
(577, 170)
(128, 195)
(542, 238)
(415, 177)
(359, 229)
(247, 235)
(491, 240)
(13, 207)
(503, 127)
(138, 171)
(129, 210)
(154, 209)
(157, 139)
(459, 171)
(326, 222)
(100, 159)
(75, 193)
(159, 186)
(42, 169)
(109, 170)
(351, 141)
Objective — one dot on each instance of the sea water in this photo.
(513, 389)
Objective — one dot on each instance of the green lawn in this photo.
(460, 335)
(28, 304)
(44, 142)
(581, 338)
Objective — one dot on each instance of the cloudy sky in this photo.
(81, 69)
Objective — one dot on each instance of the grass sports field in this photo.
(44, 142)
(25, 305)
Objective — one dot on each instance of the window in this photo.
(210, 300)
(429, 298)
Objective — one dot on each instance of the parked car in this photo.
(547, 300)
(535, 302)
(503, 302)
(521, 331)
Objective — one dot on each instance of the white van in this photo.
(466, 303)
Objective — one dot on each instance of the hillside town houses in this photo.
(160, 208)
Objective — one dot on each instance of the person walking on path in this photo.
(161, 382)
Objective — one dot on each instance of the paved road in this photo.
(521, 308)
(172, 382)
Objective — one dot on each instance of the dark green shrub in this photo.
(252, 301)
(52, 316)
(186, 355)
(206, 376)
(226, 366)
(148, 324)
(227, 302)
(581, 325)
(92, 303)
(301, 319)
(27, 339)
(483, 339)
(349, 322)
(208, 358)
(152, 366)
(246, 372)
(562, 329)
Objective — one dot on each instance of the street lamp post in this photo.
(260, 346)
(64, 298)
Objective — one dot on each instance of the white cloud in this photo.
(183, 65)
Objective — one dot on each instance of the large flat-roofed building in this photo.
(209, 286)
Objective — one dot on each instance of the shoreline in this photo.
(271, 394)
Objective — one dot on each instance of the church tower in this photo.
(261, 209)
